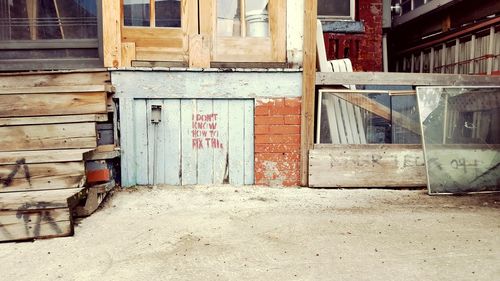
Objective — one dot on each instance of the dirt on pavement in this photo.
(260, 233)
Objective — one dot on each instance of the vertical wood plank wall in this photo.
(197, 141)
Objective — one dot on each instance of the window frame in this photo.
(351, 17)
(246, 49)
(55, 44)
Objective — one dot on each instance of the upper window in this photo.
(152, 13)
(336, 9)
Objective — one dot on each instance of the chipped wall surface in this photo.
(277, 141)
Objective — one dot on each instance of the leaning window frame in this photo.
(351, 17)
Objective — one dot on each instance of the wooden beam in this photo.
(52, 89)
(371, 165)
(42, 156)
(16, 121)
(308, 87)
(42, 137)
(44, 176)
(59, 78)
(24, 201)
(413, 79)
(21, 105)
(111, 25)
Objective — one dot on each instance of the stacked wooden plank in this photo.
(47, 122)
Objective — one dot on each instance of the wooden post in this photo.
(431, 63)
(443, 58)
(243, 20)
(111, 39)
(457, 52)
(32, 10)
(308, 87)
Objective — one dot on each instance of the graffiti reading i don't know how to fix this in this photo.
(205, 133)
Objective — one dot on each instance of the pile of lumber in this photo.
(47, 122)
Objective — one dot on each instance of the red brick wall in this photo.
(277, 141)
(363, 49)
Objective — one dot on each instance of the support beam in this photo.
(308, 87)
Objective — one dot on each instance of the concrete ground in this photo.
(228, 233)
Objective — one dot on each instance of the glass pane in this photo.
(228, 18)
(168, 13)
(417, 3)
(136, 12)
(48, 54)
(257, 18)
(360, 118)
(461, 138)
(340, 8)
(48, 19)
(255, 21)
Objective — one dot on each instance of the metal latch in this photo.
(155, 114)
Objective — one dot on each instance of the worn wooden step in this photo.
(30, 177)
(31, 224)
(35, 200)
(42, 156)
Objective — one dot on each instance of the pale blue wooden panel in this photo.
(204, 131)
(172, 149)
(220, 164)
(127, 141)
(156, 163)
(236, 147)
(248, 139)
(141, 141)
(189, 155)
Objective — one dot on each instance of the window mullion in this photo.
(243, 22)
(152, 13)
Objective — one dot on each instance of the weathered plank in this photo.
(141, 141)
(127, 141)
(414, 79)
(15, 121)
(220, 165)
(42, 156)
(23, 225)
(172, 145)
(366, 166)
(248, 142)
(53, 89)
(204, 120)
(189, 151)
(236, 148)
(60, 78)
(36, 200)
(32, 177)
(156, 146)
(48, 104)
(35, 137)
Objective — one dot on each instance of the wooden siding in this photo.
(197, 141)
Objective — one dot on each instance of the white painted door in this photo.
(187, 141)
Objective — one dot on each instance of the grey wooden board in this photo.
(220, 161)
(141, 141)
(172, 136)
(236, 145)
(198, 141)
(392, 78)
(206, 84)
(188, 154)
(248, 140)
(127, 140)
(366, 166)
(206, 153)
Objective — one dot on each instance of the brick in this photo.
(292, 120)
(262, 110)
(285, 110)
(277, 148)
(284, 129)
(292, 102)
(261, 129)
(283, 156)
(287, 139)
(269, 120)
(98, 176)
